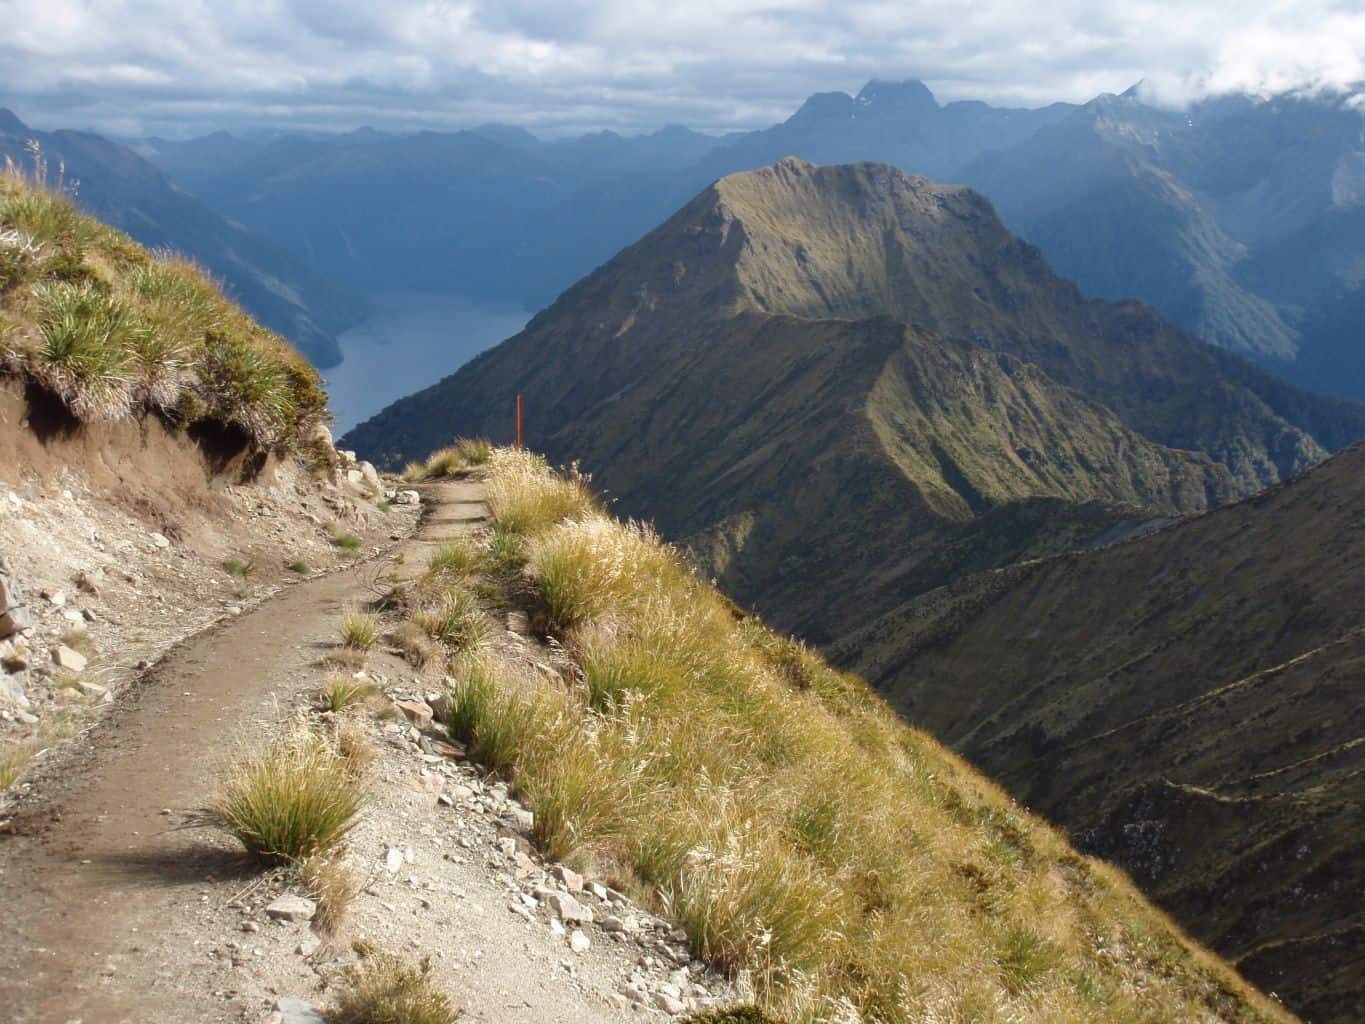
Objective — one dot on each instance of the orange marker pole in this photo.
(520, 443)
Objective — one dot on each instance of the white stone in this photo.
(579, 942)
(567, 877)
(64, 657)
(160, 541)
(393, 860)
(568, 909)
(291, 908)
(297, 1011)
(407, 498)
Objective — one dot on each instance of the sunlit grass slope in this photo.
(776, 808)
(114, 330)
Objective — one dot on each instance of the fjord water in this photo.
(411, 340)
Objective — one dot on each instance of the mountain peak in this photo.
(10, 123)
(910, 96)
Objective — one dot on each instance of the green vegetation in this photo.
(114, 331)
(238, 568)
(299, 566)
(332, 885)
(359, 630)
(782, 814)
(475, 451)
(454, 560)
(388, 990)
(748, 1014)
(13, 760)
(460, 457)
(348, 543)
(454, 618)
(342, 692)
(296, 798)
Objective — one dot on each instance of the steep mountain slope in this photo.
(1189, 703)
(752, 354)
(1239, 218)
(126, 191)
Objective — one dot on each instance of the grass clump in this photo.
(746, 1014)
(332, 885)
(342, 692)
(387, 990)
(299, 566)
(418, 649)
(359, 631)
(238, 568)
(455, 560)
(785, 817)
(114, 331)
(13, 760)
(292, 800)
(475, 451)
(526, 498)
(454, 619)
(347, 543)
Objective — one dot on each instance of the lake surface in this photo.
(410, 341)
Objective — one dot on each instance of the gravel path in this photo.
(113, 915)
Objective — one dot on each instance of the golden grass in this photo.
(782, 814)
(296, 798)
(332, 885)
(113, 330)
(359, 630)
(387, 990)
(526, 498)
(342, 692)
(13, 760)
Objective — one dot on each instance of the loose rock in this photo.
(291, 908)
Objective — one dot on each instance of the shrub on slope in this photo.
(783, 815)
(113, 330)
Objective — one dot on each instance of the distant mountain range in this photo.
(123, 189)
(845, 387)
(1241, 220)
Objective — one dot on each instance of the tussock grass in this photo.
(747, 1014)
(475, 451)
(113, 330)
(790, 823)
(387, 990)
(13, 760)
(238, 568)
(359, 631)
(588, 566)
(354, 746)
(347, 543)
(454, 618)
(332, 885)
(418, 649)
(294, 799)
(299, 566)
(342, 692)
(464, 454)
(455, 560)
(526, 498)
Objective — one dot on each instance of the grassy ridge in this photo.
(778, 810)
(113, 330)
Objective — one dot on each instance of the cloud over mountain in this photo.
(174, 67)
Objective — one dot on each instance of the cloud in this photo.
(179, 66)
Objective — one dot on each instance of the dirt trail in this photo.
(89, 879)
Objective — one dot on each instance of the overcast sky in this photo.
(185, 66)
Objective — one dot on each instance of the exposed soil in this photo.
(114, 915)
